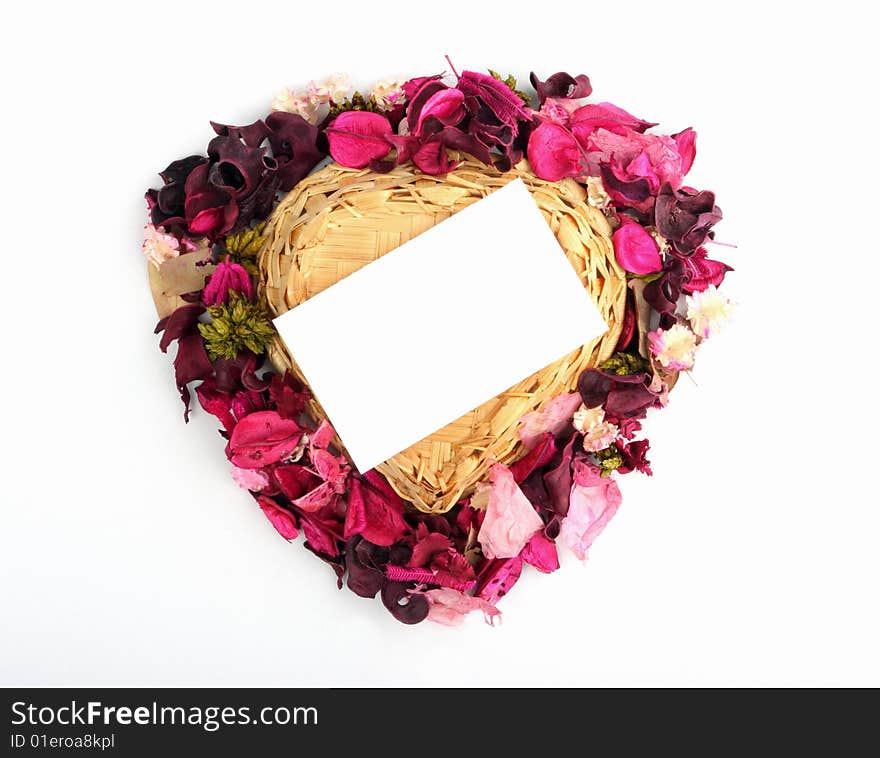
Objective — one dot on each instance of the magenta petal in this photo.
(283, 521)
(227, 276)
(358, 137)
(554, 153)
(702, 272)
(263, 438)
(446, 105)
(687, 148)
(319, 535)
(295, 480)
(431, 158)
(497, 578)
(540, 552)
(374, 515)
(590, 117)
(636, 250)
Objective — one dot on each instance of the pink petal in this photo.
(358, 137)
(554, 153)
(321, 496)
(553, 417)
(594, 500)
(250, 479)
(449, 607)
(636, 250)
(510, 519)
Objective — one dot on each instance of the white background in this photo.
(128, 557)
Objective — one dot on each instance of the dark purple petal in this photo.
(561, 85)
(685, 217)
(495, 95)
(182, 321)
(363, 579)
(235, 166)
(405, 607)
(190, 363)
(558, 480)
(594, 387)
(210, 210)
(294, 143)
(252, 135)
(634, 457)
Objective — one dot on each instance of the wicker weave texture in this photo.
(338, 220)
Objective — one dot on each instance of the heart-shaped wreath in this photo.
(445, 527)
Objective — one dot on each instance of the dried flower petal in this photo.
(635, 249)
(510, 518)
(708, 311)
(159, 246)
(541, 553)
(449, 607)
(263, 438)
(283, 521)
(359, 137)
(674, 347)
(594, 501)
(554, 153)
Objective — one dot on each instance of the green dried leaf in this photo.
(625, 363)
(357, 102)
(510, 81)
(237, 326)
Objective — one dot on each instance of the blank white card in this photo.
(441, 324)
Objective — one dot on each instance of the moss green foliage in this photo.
(510, 81)
(357, 102)
(236, 326)
(609, 459)
(244, 246)
(625, 363)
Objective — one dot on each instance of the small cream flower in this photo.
(159, 246)
(387, 93)
(333, 89)
(596, 194)
(708, 311)
(302, 105)
(674, 347)
(585, 418)
(598, 433)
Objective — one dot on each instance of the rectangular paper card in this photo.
(438, 326)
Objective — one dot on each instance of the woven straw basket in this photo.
(338, 220)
